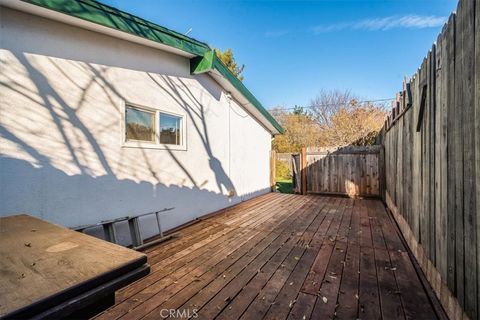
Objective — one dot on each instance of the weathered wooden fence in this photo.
(352, 171)
(432, 160)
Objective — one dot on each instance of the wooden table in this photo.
(48, 271)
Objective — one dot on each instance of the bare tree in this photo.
(327, 103)
(343, 119)
(334, 118)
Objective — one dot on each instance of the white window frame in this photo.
(154, 144)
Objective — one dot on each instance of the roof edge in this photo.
(104, 15)
(202, 64)
(210, 62)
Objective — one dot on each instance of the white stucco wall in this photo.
(62, 96)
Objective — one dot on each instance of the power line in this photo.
(334, 104)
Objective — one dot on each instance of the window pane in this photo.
(140, 125)
(170, 127)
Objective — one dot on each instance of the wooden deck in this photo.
(282, 256)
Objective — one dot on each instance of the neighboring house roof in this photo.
(202, 57)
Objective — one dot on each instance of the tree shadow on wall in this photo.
(35, 182)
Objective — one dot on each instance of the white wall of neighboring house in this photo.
(62, 157)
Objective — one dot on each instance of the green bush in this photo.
(282, 170)
(285, 186)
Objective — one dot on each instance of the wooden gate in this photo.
(352, 171)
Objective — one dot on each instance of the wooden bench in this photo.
(48, 271)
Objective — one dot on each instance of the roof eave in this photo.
(211, 64)
(92, 15)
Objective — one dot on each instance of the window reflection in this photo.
(170, 129)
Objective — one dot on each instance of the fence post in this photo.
(303, 171)
(273, 161)
(382, 171)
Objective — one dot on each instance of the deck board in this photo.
(282, 256)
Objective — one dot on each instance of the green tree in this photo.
(300, 111)
(301, 130)
(228, 60)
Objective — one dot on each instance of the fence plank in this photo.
(466, 26)
(458, 147)
(416, 166)
(424, 222)
(477, 138)
(440, 158)
(303, 170)
(431, 154)
(273, 159)
(451, 219)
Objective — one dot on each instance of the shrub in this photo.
(282, 170)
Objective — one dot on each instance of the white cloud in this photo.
(386, 23)
(410, 21)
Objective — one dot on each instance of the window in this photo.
(149, 128)
(170, 129)
(140, 124)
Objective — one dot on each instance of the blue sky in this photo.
(293, 49)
